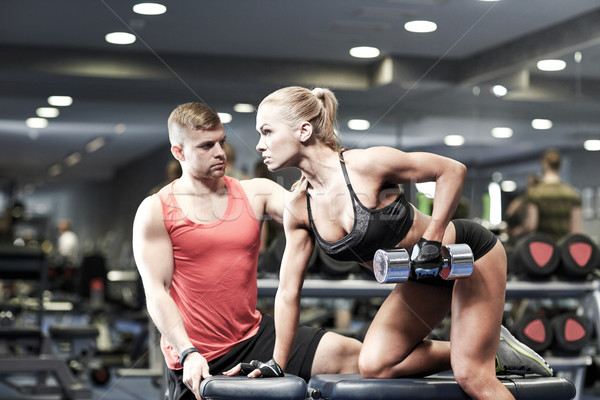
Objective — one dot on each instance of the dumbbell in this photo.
(392, 266)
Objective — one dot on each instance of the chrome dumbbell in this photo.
(392, 266)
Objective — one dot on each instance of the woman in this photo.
(351, 202)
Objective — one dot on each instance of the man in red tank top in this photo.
(196, 246)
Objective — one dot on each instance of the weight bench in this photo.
(354, 387)
(221, 387)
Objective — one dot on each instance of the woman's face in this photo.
(279, 143)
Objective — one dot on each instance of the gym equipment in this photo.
(353, 387)
(394, 265)
(571, 333)
(579, 255)
(534, 330)
(221, 387)
(30, 264)
(535, 255)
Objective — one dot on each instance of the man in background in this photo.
(554, 207)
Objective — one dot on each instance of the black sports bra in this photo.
(375, 229)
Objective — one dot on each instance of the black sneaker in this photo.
(514, 357)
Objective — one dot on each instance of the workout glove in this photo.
(428, 260)
(270, 369)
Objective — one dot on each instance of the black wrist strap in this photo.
(186, 353)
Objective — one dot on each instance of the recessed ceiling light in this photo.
(149, 9)
(359, 124)
(95, 144)
(54, 170)
(454, 140)
(47, 112)
(73, 158)
(120, 38)
(243, 108)
(36, 123)
(502, 132)
(225, 117)
(592, 145)
(120, 128)
(420, 26)
(364, 52)
(60, 101)
(551, 65)
(541, 124)
(577, 56)
(499, 90)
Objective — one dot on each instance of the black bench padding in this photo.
(354, 387)
(220, 387)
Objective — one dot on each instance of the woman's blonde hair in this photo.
(318, 106)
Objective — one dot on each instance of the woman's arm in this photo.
(396, 166)
(298, 249)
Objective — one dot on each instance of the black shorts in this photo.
(259, 347)
(479, 239)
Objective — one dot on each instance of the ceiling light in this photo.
(551, 65)
(420, 26)
(73, 159)
(120, 129)
(60, 101)
(243, 108)
(502, 132)
(499, 90)
(55, 170)
(95, 144)
(359, 124)
(149, 9)
(454, 140)
(577, 56)
(36, 122)
(120, 38)
(541, 124)
(47, 112)
(225, 117)
(592, 145)
(364, 52)
(508, 186)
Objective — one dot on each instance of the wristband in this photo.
(186, 353)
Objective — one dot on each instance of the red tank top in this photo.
(214, 275)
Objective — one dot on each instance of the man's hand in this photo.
(195, 368)
(257, 369)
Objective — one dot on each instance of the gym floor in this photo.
(142, 388)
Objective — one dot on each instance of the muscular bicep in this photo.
(267, 198)
(152, 248)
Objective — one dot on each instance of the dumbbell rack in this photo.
(588, 292)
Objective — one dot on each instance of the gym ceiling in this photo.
(421, 88)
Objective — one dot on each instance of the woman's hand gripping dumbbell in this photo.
(430, 259)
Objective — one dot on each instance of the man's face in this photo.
(203, 152)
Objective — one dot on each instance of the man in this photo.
(554, 207)
(196, 246)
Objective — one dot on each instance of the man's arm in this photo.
(153, 252)
(576, 220)
(531, 221)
